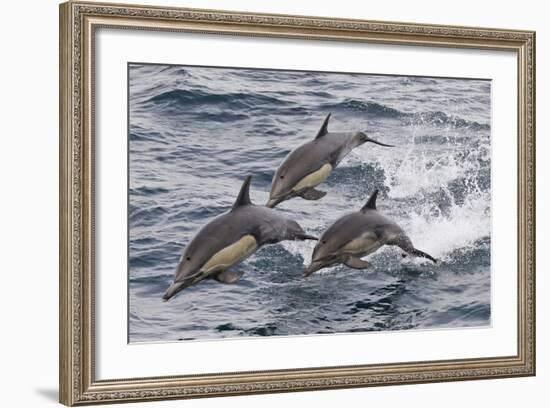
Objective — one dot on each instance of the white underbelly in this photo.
(363, 245)
(231, 254)
(314, 178)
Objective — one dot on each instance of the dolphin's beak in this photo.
(176, 287)
(172, 290)
(272, 202)
(313, 267)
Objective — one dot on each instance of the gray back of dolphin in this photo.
(229, 239)
(359, 234)
(311, 163)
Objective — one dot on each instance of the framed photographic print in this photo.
(312, 203)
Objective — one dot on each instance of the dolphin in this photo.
(359, 234)
(311, 163)
(229, 239)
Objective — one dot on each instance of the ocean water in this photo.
(196, 132)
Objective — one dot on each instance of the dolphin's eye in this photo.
(323, 242)
(188, 258)
(282, 177)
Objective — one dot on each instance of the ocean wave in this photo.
(144, 136)
(439, 118)
(147, 216)
(193, 98)
(148, 191)
(435, 118)
(365, 107)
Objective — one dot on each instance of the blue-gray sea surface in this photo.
(196, 132)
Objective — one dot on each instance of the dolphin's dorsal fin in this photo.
(324, 128)
(371, 202)
(244, 195)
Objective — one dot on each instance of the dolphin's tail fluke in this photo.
(365, 139)
(378, 143)
(422, 254)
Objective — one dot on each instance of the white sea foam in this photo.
(304, 249)
(459, 228)
(422, 173)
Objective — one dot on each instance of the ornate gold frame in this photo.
(78, 21)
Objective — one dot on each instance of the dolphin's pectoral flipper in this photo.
(356, 263)
(312, 194)
(228, 276)
(404, 242)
